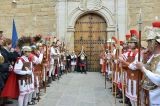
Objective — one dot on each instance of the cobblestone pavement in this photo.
(76, 89)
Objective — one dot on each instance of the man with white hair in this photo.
(152, 68)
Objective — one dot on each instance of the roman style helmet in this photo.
(134, 36)
(153, 32)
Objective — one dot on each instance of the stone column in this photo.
(61, 21)
(69, 39)
(110, 32)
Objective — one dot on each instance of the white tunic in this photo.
(23, 87)
(129, 94)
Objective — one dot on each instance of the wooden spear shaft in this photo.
(116, 75)
(122, 79)
(139, 54)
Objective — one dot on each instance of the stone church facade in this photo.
(58, 17)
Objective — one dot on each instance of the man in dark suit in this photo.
(6, 60)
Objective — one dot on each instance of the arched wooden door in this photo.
(90, 32)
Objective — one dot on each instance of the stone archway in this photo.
(90, 32)
(104, 12)
(76, 13)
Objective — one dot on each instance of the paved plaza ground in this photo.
(76, 89)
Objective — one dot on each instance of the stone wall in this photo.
(40, 16)
(150, 9)
(31, 16)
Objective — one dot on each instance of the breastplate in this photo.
(153, 64)
(148, 84)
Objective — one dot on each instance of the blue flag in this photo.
(14, 35)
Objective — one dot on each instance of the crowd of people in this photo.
(133, 69)
(32, 66)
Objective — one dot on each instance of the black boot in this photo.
(45, 84)
(6, 101)
(119, 96)
(53, 78)
(49, 80)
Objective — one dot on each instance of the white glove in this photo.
(29, 72)
(132, 66)
(115, 61)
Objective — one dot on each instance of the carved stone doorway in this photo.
(90, 32)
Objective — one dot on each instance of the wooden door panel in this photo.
(90, 32)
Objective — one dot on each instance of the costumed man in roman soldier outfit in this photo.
(54, 55)
(106, 63)
(82, 61)
(152, 68)
(123, 77)
(35, 57)
(58, 47)
(19, 84)
(52, 66)
(23, 69)
(73, 61)
(119, 72)
(132, 73)
(109, 57)
(44, 46)
(116, 70)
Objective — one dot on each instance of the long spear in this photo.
(103, 50)
(117, 50)
(121, 70)
(139, 54)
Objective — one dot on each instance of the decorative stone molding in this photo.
(90, 4)
(110, 29)
(70, 29)
(78, 12)
(104, 12)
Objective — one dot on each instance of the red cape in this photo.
(11, 88)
